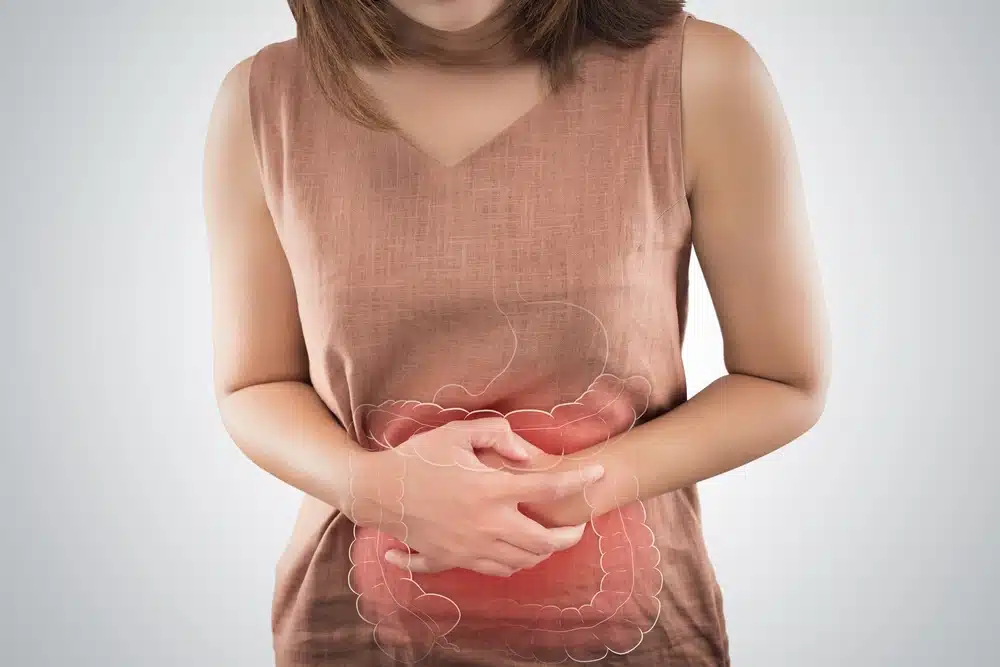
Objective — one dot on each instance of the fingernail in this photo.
(593, 473)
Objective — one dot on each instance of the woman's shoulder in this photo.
(728, 97)
(253, 90)
(702, 51)
(702, 44)
(720, 69)
(282, 49)
(716, 52)
(272, 66)
(276, 59)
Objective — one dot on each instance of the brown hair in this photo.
(335, 34)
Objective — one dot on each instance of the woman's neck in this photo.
(485, 45)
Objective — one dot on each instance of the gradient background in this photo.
(135, 532)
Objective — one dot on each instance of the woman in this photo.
(449, 251)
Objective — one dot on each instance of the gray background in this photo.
(135, 533)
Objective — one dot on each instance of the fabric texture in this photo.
(544, 278)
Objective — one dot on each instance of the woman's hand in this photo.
(433, 493)
(569, 510)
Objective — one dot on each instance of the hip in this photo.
(638, 583)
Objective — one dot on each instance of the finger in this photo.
(421, 564)
(544, 487)
(554, 539)
(515, 557)
(529, 535)
(491, 568)
(496, 433)
(564, 537)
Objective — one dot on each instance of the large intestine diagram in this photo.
(578, 605)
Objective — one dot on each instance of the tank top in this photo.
(544, 278)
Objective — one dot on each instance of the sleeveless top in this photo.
(544, 278)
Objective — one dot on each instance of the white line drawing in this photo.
(584, 632)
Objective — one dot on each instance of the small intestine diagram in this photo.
(579, 605)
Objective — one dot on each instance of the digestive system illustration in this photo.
(596, 598)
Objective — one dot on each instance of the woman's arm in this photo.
(751, 235)
(261, 369)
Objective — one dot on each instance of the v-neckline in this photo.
(504, 134)
(550, 102)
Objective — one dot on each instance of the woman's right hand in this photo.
(434, 494)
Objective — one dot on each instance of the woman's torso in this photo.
(538, 272)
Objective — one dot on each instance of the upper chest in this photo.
(482, 169)
(450, 115)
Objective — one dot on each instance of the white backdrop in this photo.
(137, 534)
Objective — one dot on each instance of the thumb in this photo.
(542, 487)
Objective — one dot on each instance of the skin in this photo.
(750, 232)
(448, 15)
